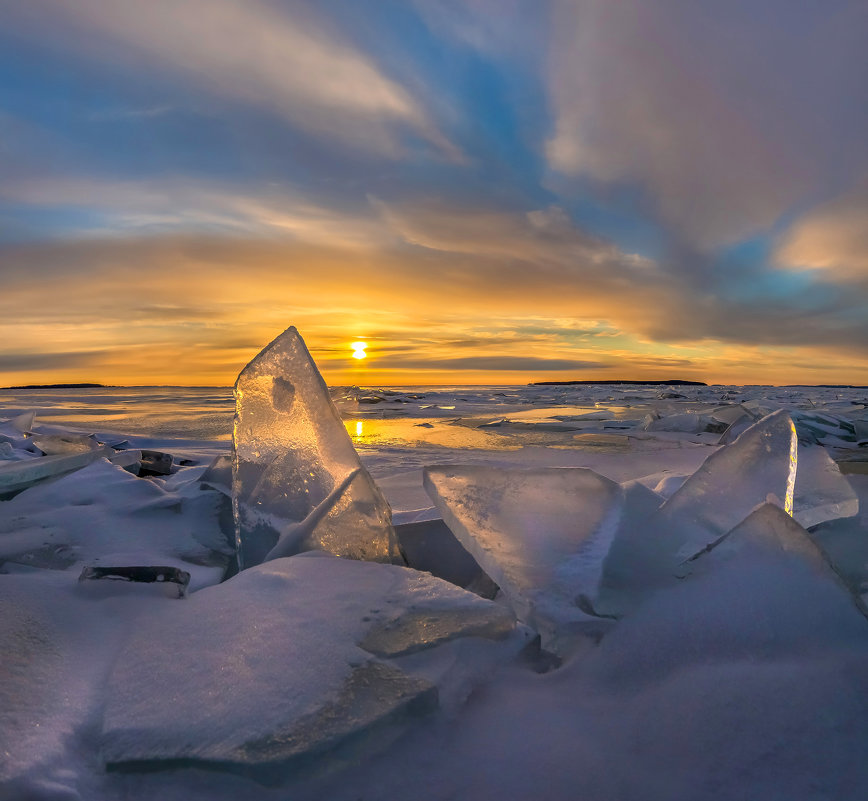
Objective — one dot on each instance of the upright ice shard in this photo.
(541, 535)
(298, 484)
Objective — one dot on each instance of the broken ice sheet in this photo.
(291, 451)
(291, 675)
(540, 534)
(769, 533)
(111, 517)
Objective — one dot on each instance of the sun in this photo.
(359, 349)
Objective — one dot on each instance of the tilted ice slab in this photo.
(298, 483)
(19, 475)
(290, 658)
(731, 482)
(759, 466)
(768, 532)
(63, 443)
(541, 534)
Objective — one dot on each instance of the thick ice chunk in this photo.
(759, 466)
(540, 534)
(821, 493)
(687, 422)
(729, 415)
(294, 670)
(768, 532)
(298, 484)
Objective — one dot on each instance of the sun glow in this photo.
(359, 349)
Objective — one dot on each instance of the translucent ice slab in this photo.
(821, 493)
(540, 534)
(25, 473)
(298, 484)
(759, 466)
(65, 444)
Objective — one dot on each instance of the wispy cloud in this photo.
(179, 204)
(287, 61)
(496, 363)
(148, 112)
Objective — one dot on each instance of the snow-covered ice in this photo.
(284, 660)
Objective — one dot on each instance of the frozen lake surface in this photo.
(743, 678)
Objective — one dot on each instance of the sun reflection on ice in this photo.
(356, 429)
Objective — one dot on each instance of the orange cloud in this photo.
(833, 237)
(194, 311)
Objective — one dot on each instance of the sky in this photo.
(482, 191)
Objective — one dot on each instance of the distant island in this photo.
(59, 386)
(673, 382)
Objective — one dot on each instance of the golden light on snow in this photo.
(359, 349)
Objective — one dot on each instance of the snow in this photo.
(744, 678)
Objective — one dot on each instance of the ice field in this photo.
(547, 592)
